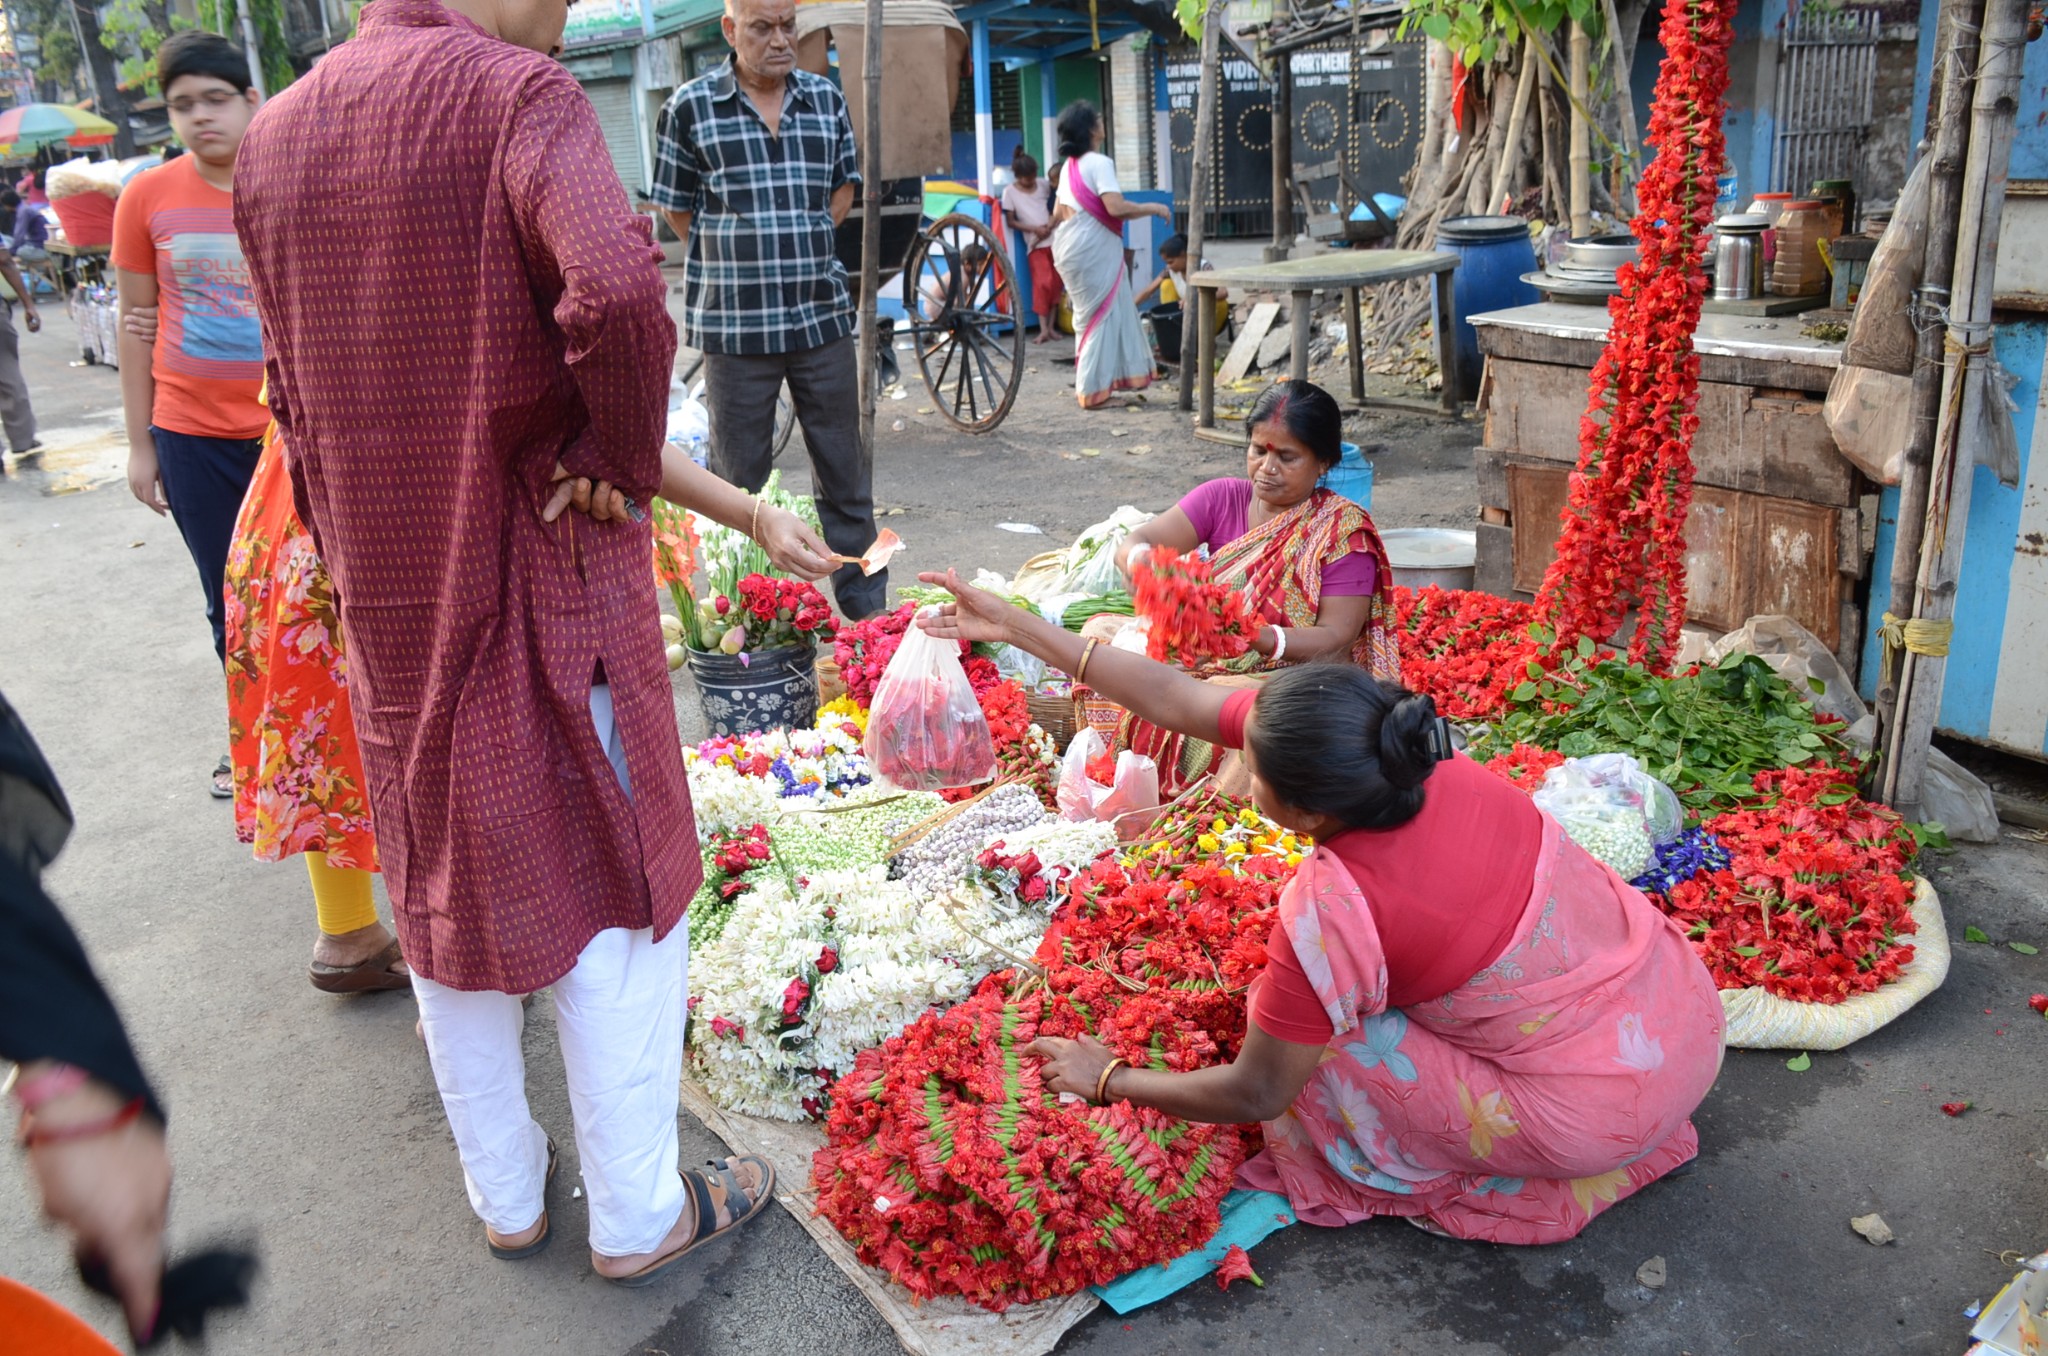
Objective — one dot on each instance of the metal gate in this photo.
(1827, 77)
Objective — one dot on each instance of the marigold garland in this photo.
(1623, 543)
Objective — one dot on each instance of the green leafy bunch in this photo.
(1705, 734)
(1477, 29)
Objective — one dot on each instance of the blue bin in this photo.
(1493, 254)
(1351, 477)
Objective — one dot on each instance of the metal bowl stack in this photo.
(1586, 274)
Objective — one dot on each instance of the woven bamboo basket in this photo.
(1060, 717)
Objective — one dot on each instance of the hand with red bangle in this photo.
(105, 1176)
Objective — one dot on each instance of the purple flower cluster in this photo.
(1681, 859)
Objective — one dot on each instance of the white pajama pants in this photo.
(619, 1015)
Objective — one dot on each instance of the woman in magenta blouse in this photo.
(1307, 560)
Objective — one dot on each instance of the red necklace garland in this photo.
(1623, 544)
(949, 1166)
(1190, 616)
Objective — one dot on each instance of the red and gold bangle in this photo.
(33, 1138)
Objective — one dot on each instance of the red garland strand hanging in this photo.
(1623, 544)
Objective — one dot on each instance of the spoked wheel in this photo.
(961, 295)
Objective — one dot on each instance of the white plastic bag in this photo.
(926, 731)
(1613, 809)
(1126, 803)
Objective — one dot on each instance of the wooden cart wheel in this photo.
(965, 321)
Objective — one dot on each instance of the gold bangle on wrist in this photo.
(754, 524)
(1102, 1083)
(1087, 652)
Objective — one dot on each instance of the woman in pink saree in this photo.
(1110, 351)
(1466, 1021)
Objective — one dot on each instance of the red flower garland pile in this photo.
(1815, 904)
(1623, 544)
(1467, 650)
(949, 1166)
(1524, 766)
(1190, 616)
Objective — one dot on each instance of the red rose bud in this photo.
(2039, 1003)
(1034, 889)
(1954, 1108)
(1029, 865)
(724, 605)
(828, 961)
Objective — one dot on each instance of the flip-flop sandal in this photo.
(213, 784)
(726, 1183)
(547, 1234)
(374, 975)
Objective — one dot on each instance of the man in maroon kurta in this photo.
(458, 306)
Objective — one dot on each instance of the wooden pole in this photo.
(1582, 134)
(1283, 159)
(1511, 144)
(1969, 332)
(1956, 56)
(870, 224)
(1198, 196)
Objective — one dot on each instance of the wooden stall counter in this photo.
(1780, 522)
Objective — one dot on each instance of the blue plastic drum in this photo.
(1493, 254)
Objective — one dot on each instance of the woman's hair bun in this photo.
(1406, 756)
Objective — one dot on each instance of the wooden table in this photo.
(1341, 271)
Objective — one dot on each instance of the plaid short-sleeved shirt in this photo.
(761, 275)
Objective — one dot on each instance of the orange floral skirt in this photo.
(292, 739)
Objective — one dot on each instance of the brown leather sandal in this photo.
(374, 975)
(711, 1192)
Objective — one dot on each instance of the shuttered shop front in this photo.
(613, 100)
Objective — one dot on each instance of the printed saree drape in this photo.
(1514, 1109)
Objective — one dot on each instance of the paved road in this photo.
(311, 1123)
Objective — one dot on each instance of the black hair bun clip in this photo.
(1442, 742)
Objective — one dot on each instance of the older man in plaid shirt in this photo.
(756, 171)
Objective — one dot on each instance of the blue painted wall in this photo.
(1983, 592)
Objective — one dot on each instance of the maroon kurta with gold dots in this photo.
(455, 294)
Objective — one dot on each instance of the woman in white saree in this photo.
(1110, 352)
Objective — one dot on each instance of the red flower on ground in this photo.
(1236, 1266)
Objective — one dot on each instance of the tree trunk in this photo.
(1582, 135)
(105, 75)
(1510, 158)
(1621, 45)
(1198, 196)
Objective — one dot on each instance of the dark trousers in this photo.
(204, 481)
(825, 387)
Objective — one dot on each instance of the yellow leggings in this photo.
(341, 896)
